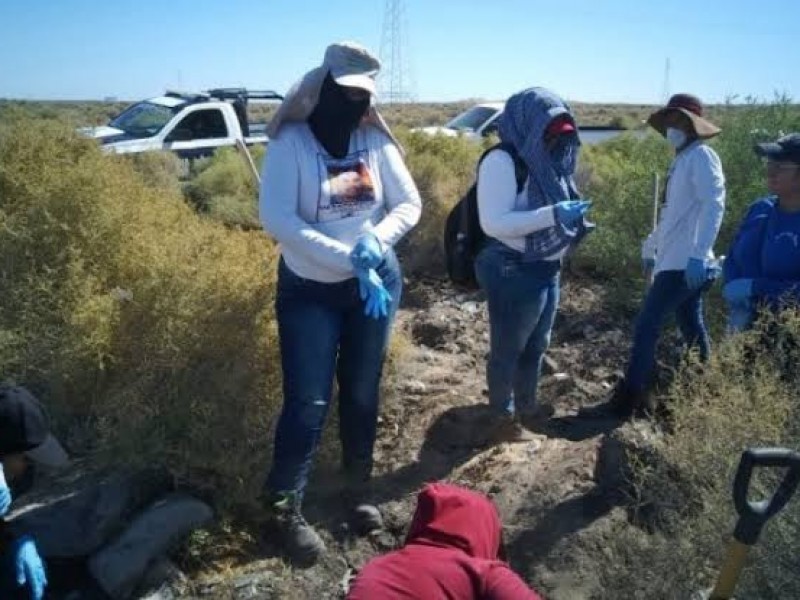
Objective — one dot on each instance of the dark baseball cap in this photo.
(24, 428)
(786, 148)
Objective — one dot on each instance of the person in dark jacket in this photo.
(24, 436)
(79, 533)
(451, 552)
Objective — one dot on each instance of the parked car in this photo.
(190, 124)
(482, 120)
(474, 123)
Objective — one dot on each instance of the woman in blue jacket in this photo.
(763, 264)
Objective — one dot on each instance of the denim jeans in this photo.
(324, 333)
(522, 299)
(668, 295)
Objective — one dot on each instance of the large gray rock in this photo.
(76, 513)
(119, 567)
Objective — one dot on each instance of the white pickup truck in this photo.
(191, 125)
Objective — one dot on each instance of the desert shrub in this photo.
(745, 397)
(77, 114)
(224, 189)
(158, 169)
(618, 177)
(146, 329)
(443, 169)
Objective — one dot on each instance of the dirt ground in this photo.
(432, 427)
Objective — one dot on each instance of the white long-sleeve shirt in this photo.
(316, 206)
(692, 214)
(504, 213)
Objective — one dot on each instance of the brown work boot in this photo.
(620, 404)
(507, 428)
(302, 543)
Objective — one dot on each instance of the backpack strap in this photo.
(520, 168)
(520, 174)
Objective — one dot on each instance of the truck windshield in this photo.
(472, 119)
(144, 119)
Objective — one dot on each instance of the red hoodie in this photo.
(451, 553)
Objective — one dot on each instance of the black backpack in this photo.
(463, 235)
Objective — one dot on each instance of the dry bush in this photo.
(85, 113)
(745, 397)
(223, 188)
(160, 170)
(144, 328)
(443, 169)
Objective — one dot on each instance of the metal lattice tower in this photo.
(665, 90)
(395, 82)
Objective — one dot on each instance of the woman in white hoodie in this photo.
(337, 196)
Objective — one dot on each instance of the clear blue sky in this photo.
(587, 50)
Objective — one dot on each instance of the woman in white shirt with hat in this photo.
(678, 253)
(337, 196)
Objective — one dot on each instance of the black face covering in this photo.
(335, 117)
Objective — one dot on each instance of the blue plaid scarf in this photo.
(523, 124)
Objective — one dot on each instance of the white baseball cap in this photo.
(352, 65)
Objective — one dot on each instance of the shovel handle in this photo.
(753, 515)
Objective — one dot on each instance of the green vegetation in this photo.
(224, 189)
(745, 397)
(417, 114)
(83, 114)
(146, 329)
(443, 169)
(138, 305)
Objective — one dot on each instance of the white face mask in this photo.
(676, 137)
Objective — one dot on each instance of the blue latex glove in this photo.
(29, 567)
(375, 296)
(738, 291)
(696, 274)
(570, 212)
(648, 264)
(740, 315)
(5, 493)
(366, 254)
(5, 500)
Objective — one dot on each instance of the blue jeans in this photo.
(668, 294)
(522, 299)
(324, 333)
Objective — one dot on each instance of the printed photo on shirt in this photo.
(347, 188)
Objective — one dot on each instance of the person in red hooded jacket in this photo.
(451, 553)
